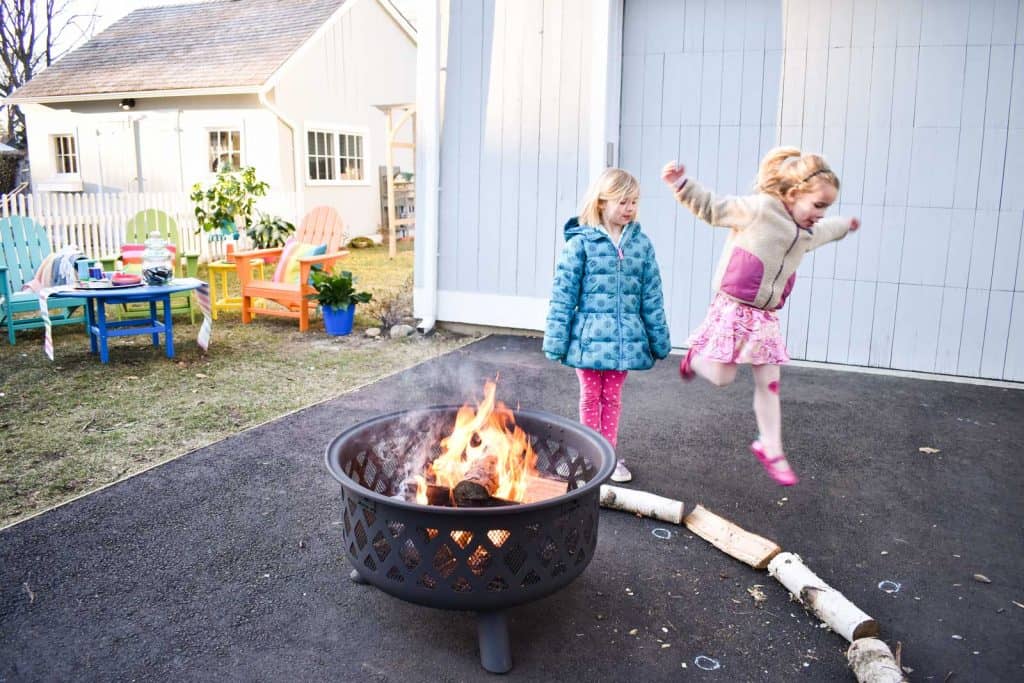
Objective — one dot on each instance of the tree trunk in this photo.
(731, 539)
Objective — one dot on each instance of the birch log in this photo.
(731, 539)
(872, 662)
(827, 603)
(642, 503)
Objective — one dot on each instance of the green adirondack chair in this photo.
(137, 231)
(23, 246)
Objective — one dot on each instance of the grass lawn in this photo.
(70, 426)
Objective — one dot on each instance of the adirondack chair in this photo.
(137, 231)
(23, 246)
(321, 227)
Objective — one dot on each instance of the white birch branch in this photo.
(825, 602)
(642, 503)
(873, 662)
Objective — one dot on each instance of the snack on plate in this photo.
(125, 279)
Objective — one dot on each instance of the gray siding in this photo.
(920, 108)
(513, 142)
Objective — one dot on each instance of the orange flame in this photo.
(489, 431)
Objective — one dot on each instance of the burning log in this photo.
(825, 602)
(872, 662)
(540, 488)
(479, 484)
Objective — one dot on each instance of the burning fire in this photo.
(484, 439)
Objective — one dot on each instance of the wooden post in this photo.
(826, 602)
(389, 161)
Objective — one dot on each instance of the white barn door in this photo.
(918, 106)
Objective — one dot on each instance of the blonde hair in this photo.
(785, 169)
(612, 185)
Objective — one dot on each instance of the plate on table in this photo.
(94, 284)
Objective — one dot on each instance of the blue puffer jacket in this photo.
(607, 311)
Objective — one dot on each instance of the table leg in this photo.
(213, 291)
(168, 323)
(90, 320)
(153, 318)
(101, 327)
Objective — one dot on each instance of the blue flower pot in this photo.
(338, 321)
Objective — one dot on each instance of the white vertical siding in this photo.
(513, 145)
(919, 105)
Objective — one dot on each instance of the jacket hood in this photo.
(573, 227)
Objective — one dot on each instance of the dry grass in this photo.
(73, 425)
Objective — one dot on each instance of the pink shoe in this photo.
(685, 371)
(778, 468)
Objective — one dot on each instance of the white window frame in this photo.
(59, 154)
(337, 130)
(209, 147)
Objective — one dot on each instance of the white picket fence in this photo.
(95, 223)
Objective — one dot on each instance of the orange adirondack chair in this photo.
(321, 226)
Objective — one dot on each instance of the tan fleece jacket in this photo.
(765, 246)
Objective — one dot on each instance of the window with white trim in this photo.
(225, 150)
(66, 153)
(333, 155)
(321, 155)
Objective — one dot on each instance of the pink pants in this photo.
(601, 401)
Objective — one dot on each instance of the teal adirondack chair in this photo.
(137, 231)
(23, 246)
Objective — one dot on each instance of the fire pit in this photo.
(478, 559)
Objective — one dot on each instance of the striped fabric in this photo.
(206, 329)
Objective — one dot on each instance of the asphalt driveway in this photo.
(227, 564)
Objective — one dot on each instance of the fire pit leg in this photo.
(492, 631)
(356, 577)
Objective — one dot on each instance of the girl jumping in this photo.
(770, 233)
(607, 312)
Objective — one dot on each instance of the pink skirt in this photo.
(736, 333)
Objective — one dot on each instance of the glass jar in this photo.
(157, 261)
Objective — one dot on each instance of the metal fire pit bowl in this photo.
(478, 559)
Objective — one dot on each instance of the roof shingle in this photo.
(221, 44)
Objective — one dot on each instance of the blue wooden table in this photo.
(100, 329)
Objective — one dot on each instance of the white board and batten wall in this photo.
(513, 154)
(918, 104)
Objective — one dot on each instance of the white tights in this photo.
(767, 407)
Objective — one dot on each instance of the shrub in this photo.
(391, 307)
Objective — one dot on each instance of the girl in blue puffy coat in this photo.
(607, 313)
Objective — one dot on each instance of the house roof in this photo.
(225, 45)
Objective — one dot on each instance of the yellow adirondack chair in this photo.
(321, 226)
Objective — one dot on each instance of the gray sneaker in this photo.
(621, 473)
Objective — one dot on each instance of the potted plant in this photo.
(228, 204)
(270, 231)
(337, 296)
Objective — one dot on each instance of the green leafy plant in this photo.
(336, 290)
(228, 204)
(270, 231)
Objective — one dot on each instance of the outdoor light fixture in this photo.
(127, 104)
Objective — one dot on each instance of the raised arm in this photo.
(726, 212)
(831, 229)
